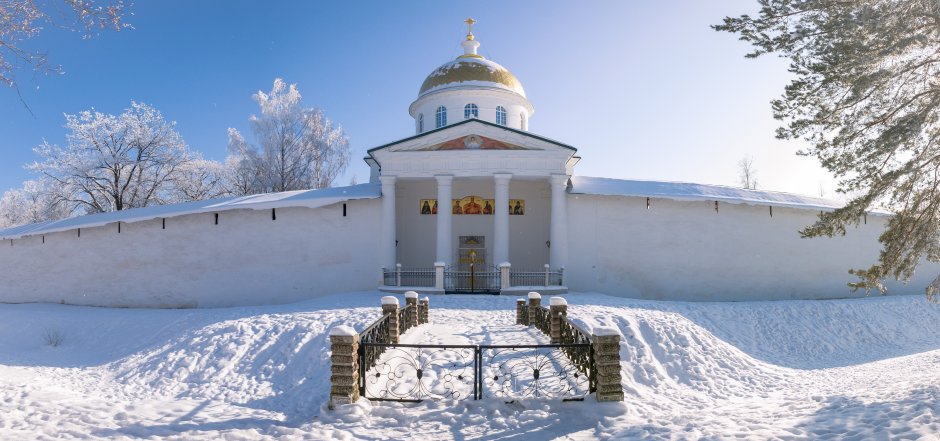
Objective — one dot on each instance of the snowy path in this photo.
(845, 369)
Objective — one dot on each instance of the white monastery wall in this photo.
(527, 233)
(247, 258)
(686, 251)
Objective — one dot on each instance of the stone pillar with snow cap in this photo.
(439, 274)
(504, 281)
(558, 310)
(606, 342)
(344, 366)
(424, 305)
(390, 306)
(411, 302)
(535, 302)
(521, 316)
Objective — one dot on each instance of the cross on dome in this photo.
(470, 21)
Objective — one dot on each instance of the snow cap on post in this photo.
(390, 300)
(557, 301)
(605, 330)
(534, 295)
(426, 299)
(343, 330)
(411, 295)
(505, 265)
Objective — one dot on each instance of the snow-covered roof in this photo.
(300, 198)
(682, 191)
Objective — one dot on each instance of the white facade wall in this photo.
(246, 259)
(686, 251)
(527, 233)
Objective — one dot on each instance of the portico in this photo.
(513, 185)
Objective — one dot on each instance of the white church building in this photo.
(472, 203)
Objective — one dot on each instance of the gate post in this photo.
(606, 343)
(397, 274)
(558, 309)
(547, 267)
(521, 318)
(535, 301)
(439, 275)
(424, 304)
(344, 369)
(390, 306)
(411, 299)
(504, 269)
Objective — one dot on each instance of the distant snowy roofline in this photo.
(300, 198)
(682, 191)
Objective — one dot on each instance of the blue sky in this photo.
(644, 89)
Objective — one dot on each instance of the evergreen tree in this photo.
(866, 96)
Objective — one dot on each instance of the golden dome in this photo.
(471, 70)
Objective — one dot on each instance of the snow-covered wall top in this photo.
(300, 198)
(681, 191)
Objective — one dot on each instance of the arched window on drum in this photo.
(500, 115)
(471, 111)
(441, 117)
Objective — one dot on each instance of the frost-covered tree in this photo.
(296, 147)
(866, 97)
(115, 162)
(747, 173)
(34, 202)
(21, 20)
(198, 180)
(244, 171)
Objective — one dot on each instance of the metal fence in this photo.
(482, 280)
(377, 333)
(414, 373)
(536, 277)
(418, 277)
(403, 323)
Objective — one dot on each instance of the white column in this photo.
(388, 222)
(501, 219)
(558, 253)
(444, 218)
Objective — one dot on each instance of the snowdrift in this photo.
(802, 369)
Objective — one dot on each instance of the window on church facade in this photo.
(420, 123)
(522, 118)
(441, 117)
(471, 111)
(500, 115)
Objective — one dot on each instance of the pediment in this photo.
(473, 135)
(472, 142)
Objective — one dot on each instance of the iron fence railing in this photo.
(543, 320)
(414, 373)
(403, 323)
(423, 277)
(572, 334)
(536, 277)
(482, 280)
(389, 277)
(418, 277)
(377, 333)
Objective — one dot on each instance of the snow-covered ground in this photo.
(836, 369)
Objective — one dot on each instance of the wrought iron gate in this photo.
(412, 373)
(477, 279)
